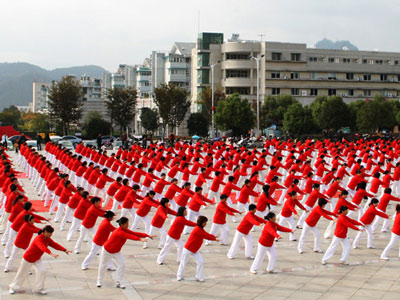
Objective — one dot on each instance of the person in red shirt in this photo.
(288, 210)
(89, 221)
(309, 203)
(174, 236)
(194, 206)
(340, 236)
(71, 207)
(382, 206)
(219, 222)
(101, 184)
(395, 235)
(245, 192)
(127, 206)
(192, 248)
(121, 194)
(311, 224)
(112, 250)
(243, 232)
(64, 199)
(112, 189)
(158, 222)
(214, 189)
(367, 219)
(101, 236)
(22, 240)
(266, 244)
(33, 257)
(9, 235)
(142, 213)
(160, 185)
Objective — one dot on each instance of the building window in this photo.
(294, 75)
(367, 77)
(346, 60)
(313, 59)
(367, 93)
(237, 73)
(398, 78)
(379, 61)
(331, 59)
(295, 92)
(275, 75)
(295, 56)
(238, 56)
(364, 61)
(396, 62)
(384, 77)
(350, 76)
(240, 90)
(314, 92)
(276, 56)
(350, 93)
(313, 75)
(276, 91)
(332, 92)
(331, 76)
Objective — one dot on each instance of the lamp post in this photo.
(212, 98)
(258, 59)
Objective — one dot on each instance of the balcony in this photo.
(238, 64)
(238, 82)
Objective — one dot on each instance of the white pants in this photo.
(60, 211)
(332, 248)
(16, 254)
(11, 238)
(106, 199)
(223, 229)
(329, 230)
(394, 238)
(82, 236)
(212, 195)
(304, 215)
(185, 257)
(146, 221)
(282, 197)
(6, 234)
(22, 273)
(93, 252)
(377, 221)
(167, 246)
(191, 216)
(368, 230)
(115, 205)
(163, 234)
(259, 259)
(291, 223)
(74, 226)
(129, 212)
(248, 244)
(315, 231)
(106, 260)
(69, 212)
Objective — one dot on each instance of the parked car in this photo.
(73, 139)
(13, 138)
(32, 143)
(117, 144)
(107, 140)
(67, 144)
(90, 142)
(55, 138)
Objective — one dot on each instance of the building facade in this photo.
(40, 96)
(293, 69)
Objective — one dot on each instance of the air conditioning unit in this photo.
(390, 95)
(304, 93)
(285, 77)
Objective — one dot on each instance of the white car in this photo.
(67, 145)
(55, 138)
(32, 143)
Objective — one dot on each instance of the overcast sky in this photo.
(60, 33)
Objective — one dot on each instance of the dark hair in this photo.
(322, 202)
(247, 181)
(223, 196)
(46, 228)
(269, 216)
(252, 206)
(342, 209)
(231, 178)
(135, 187)
(109, 214)
(17, 199)
(95, 199)
(27, 205)
(85, 194)
(201, 220)
(398, 208)
(181, 211)
(266, 189)
(316, 185)
(373, 201)
(122, 221)
(28, 218)
(388, 190)
(104, 171)
(119, 178)
(362, 185)
(125, 181)
(164, 202)
(198, 189)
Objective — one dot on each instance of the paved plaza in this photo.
(299, 276)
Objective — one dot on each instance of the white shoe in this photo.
(11, 291)
(300, 251)
(253, 272)
(250, 257)
(42, 292)
(323, 262)
(179, 279)
(99, 284)
(230, 257)
(200, 279)
(385, 258)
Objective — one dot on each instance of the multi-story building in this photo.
(40, 96)
(92, 92)
(294, 69)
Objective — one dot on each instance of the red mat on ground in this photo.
(21, 175)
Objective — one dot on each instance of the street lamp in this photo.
(258, 59)
(212, 98)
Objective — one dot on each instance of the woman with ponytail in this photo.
(33, 257)
(17, 207)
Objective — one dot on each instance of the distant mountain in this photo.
(338, 45)
(16, 80)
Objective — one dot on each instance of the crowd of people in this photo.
(351, 184)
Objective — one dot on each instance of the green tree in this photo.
(298, 120)
(35, 122)
(149, 118)
(331, 113)
(198, 124)
(354, 107)
(66, 101)
(10, 116)
(172, 103)
(206, 101)
(234, 114)
(121, 106)
(375, 115)
(274, 108)
(95, 124)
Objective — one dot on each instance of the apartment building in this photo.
(40, 96)
(91, 88)
(294, 69)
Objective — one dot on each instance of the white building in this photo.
(40, 96)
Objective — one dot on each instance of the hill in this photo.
(16, 80)
(338, 45)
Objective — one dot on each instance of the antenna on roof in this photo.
(261, 37)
